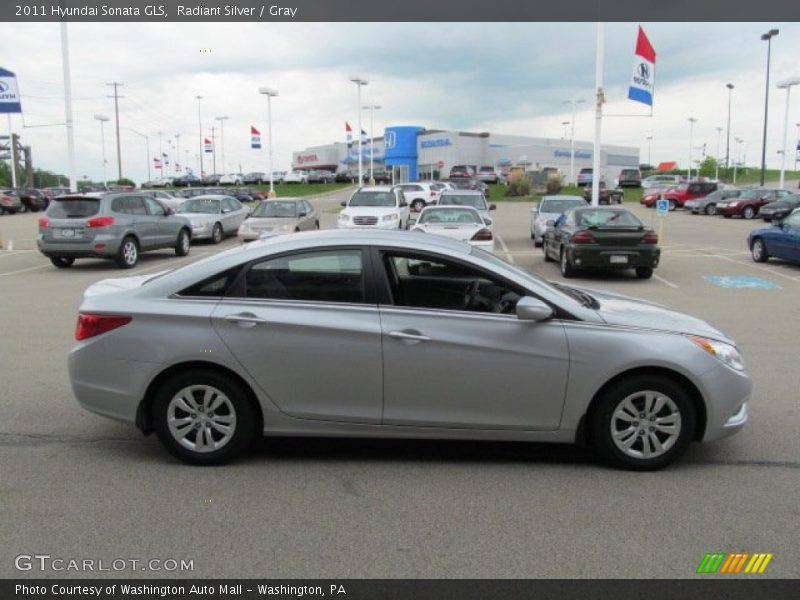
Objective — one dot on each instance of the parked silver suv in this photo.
(116, 226)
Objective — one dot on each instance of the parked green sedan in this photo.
(601, 238)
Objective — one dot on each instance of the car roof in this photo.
(461, 193)
(293, 199)
(435, 207)
(563, 197)
(209, 197)
(376, 188)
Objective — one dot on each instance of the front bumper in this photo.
(727, 394)
(600, 257)
(379, 225)
(729, 211)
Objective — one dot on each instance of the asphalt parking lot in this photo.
(75, 485)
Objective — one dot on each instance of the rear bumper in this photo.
(102, 246)
(594, 257)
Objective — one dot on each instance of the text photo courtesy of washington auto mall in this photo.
(339, 303)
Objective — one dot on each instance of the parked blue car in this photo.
(782, 240)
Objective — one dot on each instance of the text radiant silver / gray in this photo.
(398, 334)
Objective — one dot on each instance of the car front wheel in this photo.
(759, 251)
(749, 212)
(216, 233)
(711, 209)
(643, 422)
(203, 417)
(417, 205)
(183, 243)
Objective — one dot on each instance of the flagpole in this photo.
(598, 116)
(13, 155)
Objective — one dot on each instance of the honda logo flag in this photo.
(156, 163)
(209, 147)
(644, 71)
(255, 138)
(10, 101)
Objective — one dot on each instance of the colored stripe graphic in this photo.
(711, 562)
(758, 563)
(734, 563)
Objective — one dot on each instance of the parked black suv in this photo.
(630, 178)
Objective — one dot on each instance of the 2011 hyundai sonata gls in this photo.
(398, 334)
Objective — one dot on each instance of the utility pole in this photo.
(116, 97)
(200, 129)
(65, 66)
(222, 139)
(177, 151)
(728, 135)
(213, 151)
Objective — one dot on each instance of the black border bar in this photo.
(405, 10)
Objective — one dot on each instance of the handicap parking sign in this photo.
(662, 207)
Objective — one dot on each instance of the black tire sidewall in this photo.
(179, 244)
(121, 262)
(599, 423)
(214, 239)
(245, 416)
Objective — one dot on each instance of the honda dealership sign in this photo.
(10, 101)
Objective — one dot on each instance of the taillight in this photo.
(100, 222)
(44, 222)
(582, 237)
(650, 238)
(484, 235)
(91, 325)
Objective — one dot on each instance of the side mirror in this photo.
(225, 211)
(303, 214)
(168, 211)
(533, 309)
(403, 204)
(493, 207)
(343, 203)
(777, 223)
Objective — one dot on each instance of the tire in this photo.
(183, 243)
(233, 412)
(644, 272)
(625, 402)
(758, 250)
(749, 212)
(546, 255)
(711, 209)
(316, 225)
(216, 233)
(727, 216)
(537, 244)
(417, 205)
(128, 253)
(567, 270)
(673, 205)
(62, 262)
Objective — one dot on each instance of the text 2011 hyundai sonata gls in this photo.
(303, 335)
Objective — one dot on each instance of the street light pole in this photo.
(573, 102)
(728, 134)
(786, 84)
(177, 151)
(222, 139)
(372, 108)
(649, 139)
(692, 121)
(716, 158)
(768, 38)
(200, 131)
(359, 81)
(269, 93)
(147, 148)
(102, 120)
(65, 65)
(736, 160)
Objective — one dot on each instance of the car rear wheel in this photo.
(643, 422)
(759, 250)
(711, 209)
(216, 233)
(128, 253)
(567, 270)
(62, 262)
(749, 212)
(417, 205)
(183, 243)
(644, 272)
(203, 418)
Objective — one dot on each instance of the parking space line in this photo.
(13, 252)
(664, 281)
(24, 270)
(759, 267)
(505, 249)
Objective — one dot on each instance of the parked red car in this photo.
(749, 202)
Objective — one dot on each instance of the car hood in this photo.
(366, 211)
(270, 222)
(780, 204)
(625, 311)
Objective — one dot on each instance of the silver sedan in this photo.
(316, 334)
(213, 216)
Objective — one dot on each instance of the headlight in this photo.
(287, 228)
(391, 217)
(344, 218)
(201, 225)
(724, 352)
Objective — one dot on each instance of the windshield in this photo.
(752, 194)
(372, 199)
(450, 216)
(73, 208)
(559, 205)
(206, 206)
(473, 200)
(607, 218)
(276, 209)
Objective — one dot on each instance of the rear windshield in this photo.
(560, 205)
(473, 200)
(607, 218)
(449, 216)
(73, 208)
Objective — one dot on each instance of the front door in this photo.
(456, 356)
(300, 326)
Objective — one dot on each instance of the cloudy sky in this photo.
(499, 77)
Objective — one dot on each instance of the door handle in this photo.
(413, 337)
(244, 320)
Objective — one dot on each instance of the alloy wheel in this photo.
(201, 418)
(130, 252)
(645, 424)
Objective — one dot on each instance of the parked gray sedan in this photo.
(316, 334)
(272, 217)
(109, 225)
(213, 216)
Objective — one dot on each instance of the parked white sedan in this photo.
(462, 223)
(377, 206)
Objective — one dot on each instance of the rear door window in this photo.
(73, 208)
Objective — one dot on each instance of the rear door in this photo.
(303, 328)
(166, 229)
(145, 225)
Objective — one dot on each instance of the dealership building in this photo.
(414, 153)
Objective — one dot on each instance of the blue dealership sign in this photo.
(10, 101)
(436, 143)
(578, 153)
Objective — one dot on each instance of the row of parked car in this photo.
(17, 200)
